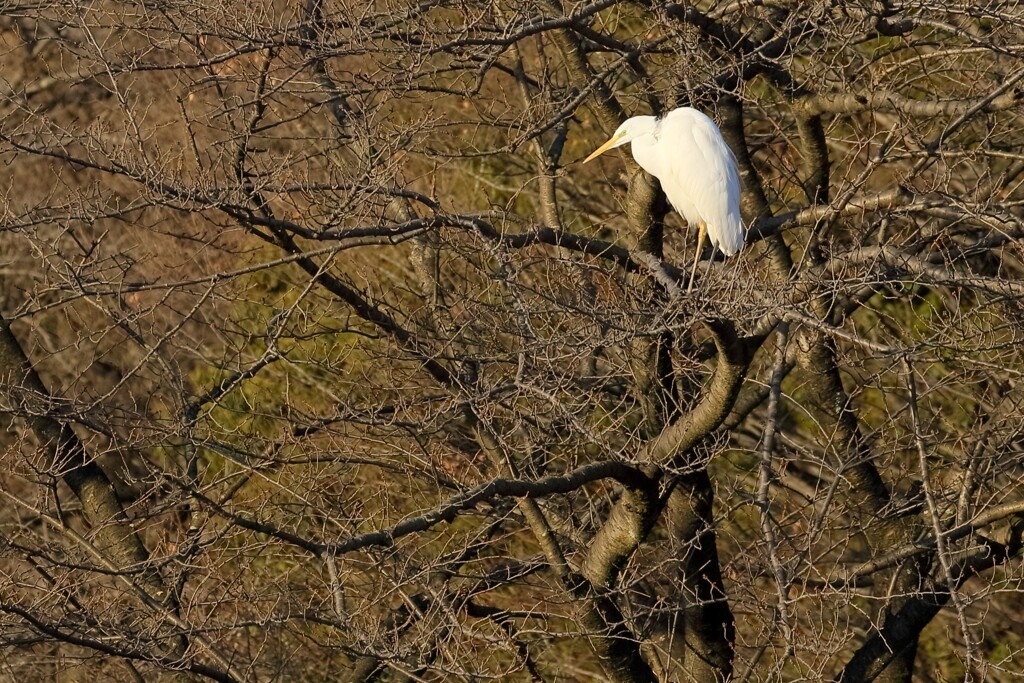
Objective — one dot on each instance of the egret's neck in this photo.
(644, 139)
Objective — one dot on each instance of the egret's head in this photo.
(622, 135)
(629, 131)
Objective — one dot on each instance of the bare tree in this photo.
(321, 355)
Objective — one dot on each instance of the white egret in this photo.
(686, 152)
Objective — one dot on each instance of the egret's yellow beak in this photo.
(604, 148)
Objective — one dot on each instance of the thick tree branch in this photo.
(902, 628)
(686, 431)
(448, 511)
(68, 459)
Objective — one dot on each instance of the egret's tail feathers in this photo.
(730, 239)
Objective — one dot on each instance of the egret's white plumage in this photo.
(686, 152)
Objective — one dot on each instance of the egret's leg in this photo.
(696, 257)
(711, 259)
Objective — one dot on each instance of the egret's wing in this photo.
(701, 178)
